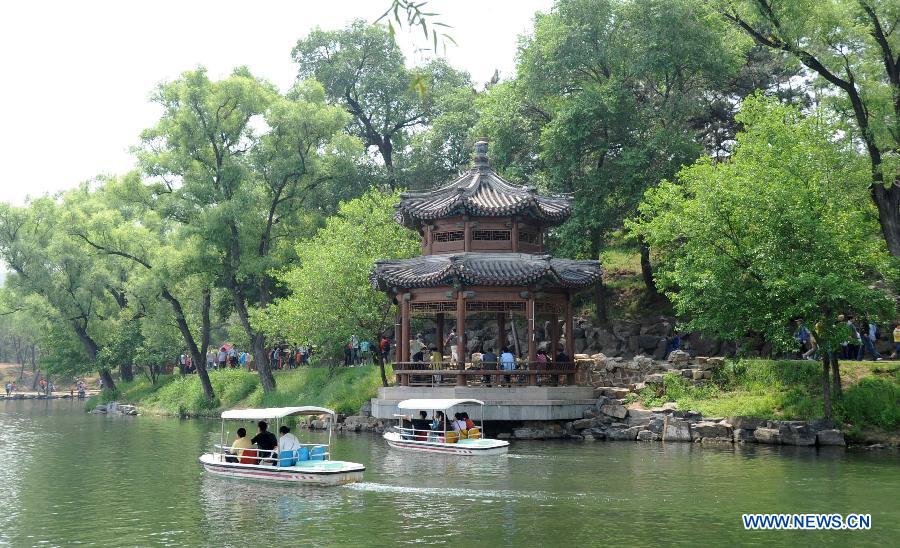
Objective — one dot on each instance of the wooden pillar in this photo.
(532, 344)
(467, 236)
(429, 239)
(403, 343)
(439, 320)
(554, 336)
(515, 235)
(570, 334)
(570, 328)
(460, 335)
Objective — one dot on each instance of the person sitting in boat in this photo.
(437, 425)
(288, 444)
(459, 423)
(237, 448)
(265, 442)
(421, 426)
(469, 422)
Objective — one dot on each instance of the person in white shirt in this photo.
(287, 442)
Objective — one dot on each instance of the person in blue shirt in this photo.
(507, 363)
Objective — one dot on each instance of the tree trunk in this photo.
(826, 386)
(387, 154)
(198, 357)
(836, 391)
(887, 200)
(600, 303)
(260, 356)
(380, 360)
(108, 382)
(126, 372)
(646, 267)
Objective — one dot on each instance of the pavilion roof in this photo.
(481, 192)
(496, 269)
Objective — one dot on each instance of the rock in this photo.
(353, 423)
(676, 430)
(614, 410)
(648, 342)
(99, 410)
(656, 378)
(767, 435)
(679, 357)
(656, 425)
(582, 424)
(590, 413)
(581, 357)
(588, 437)
(830, 437)
(366, 409)
(743, 435)
(637, 417)
(686, 373)
(625, 434)
(667, 407)
(690, 416)
(112, 407)
(697, 374)
(128, 410)
(614, 392)
(542, 432)
(711, 430)
(647, 435)
(701, 360)
(715, 362)
(822, 424)
(504, 436)
(642, 362)
(746, 423)
(797, 435)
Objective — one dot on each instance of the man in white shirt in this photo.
(287, 442)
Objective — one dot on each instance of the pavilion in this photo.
(483, 256)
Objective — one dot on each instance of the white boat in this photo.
(440, 440)
(311, 463)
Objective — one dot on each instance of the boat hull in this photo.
(315, 473)
(483, 447)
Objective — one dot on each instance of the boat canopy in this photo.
(436, 404)
(274, 412)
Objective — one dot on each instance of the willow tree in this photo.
(239, 165)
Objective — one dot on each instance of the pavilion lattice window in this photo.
(495, 306)
(550, 308)
(491, 235)
(432, 307)
(528, 238)
(449, 236)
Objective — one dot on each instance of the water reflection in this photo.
(136, 481)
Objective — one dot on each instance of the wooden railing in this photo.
(487, 375)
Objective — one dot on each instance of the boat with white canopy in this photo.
(308, 463)
(437, 434)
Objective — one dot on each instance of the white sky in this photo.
(77, 75)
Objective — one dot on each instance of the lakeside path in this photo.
(31, 395)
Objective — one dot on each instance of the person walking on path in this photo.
(451, 342)
(896, 341)
(869, 334)
(8, 389)
(354, 349)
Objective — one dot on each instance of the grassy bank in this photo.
(791, 390)
(341, 389)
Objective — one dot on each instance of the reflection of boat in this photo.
(309, 463)
(468, 442)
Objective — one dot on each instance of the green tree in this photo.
(331, 297)
(240, 190)
(854, 48)
(779, 231)
(364, 71)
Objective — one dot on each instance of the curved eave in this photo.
(481, 192)
(484, 269)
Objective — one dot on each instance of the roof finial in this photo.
(481, 153)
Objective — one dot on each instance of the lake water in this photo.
(69, 477)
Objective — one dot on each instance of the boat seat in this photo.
(317, 453)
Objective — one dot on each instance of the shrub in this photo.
(873, 400)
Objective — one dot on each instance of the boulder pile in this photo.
(609, 419)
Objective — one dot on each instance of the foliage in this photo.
(779, 231)
(345, 390)
(853, 49)
(784, 390)
(363, 71)
(331, 297)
